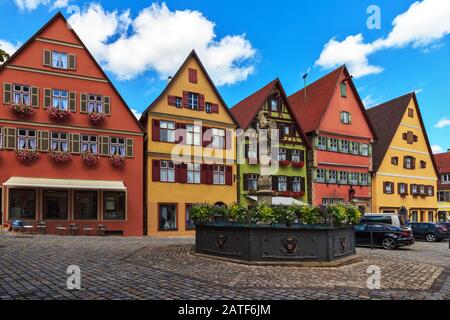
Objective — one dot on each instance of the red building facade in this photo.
(335, 120)
(71, 149)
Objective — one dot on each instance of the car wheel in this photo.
(431, 237)
(389, 243)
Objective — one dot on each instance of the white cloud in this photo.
(444, 122)
(417, 91)
(159, 39)
(436, 148)
(60, 4)
(422, 25)
(369, 101)
(136, 113)
(31, 5)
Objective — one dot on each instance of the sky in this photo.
(390, 47)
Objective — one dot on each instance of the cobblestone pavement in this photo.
(34, 267)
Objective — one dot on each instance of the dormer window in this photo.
(60, 60)
(346, 117)
(274, 104)
(343, 89)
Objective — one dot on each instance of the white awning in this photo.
(281, 201)
(64, 183)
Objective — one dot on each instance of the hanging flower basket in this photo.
(117, 161)
(90, 159)
(27, 156)
(298, 164)
(23, 111)
(58, 114)
(60, 156)
(96, 117)
(284, 163)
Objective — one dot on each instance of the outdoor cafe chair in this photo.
(101, 230)
(73, 229)
(41, 227)
(87, 230)
(61, 229)
(28, 228)
(16, 225)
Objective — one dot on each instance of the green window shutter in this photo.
(107, 105)
(72, 102)
(47, 58)
(349, 118)
(369, 179)
(7, 93)
(370, 149)
(340, 145)
(47, 98)
(75, 143)
(83, 103)
(10, 138)
(72, 65)
(328, 144)
(130, 150)
(35, 97)
(327, 176)
(316, 142)
(43, 141)
(104, 146)
(314, 175)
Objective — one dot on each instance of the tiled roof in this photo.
(443, 162)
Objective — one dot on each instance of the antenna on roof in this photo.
(305, 76)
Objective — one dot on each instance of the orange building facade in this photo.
(71, 149)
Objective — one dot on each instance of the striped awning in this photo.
(64, 183)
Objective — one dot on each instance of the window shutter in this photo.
(314, 175)
(72, 102)
(83, 103)
(274, 183)
(186, 99)
(290, 182)
(302, 155)
(245, 186)
(229, 175)
(155, 130)
(171, 101)
(327, 176)
(177, 172)
(35, 97)
(130, 148)
(214, 108)
(47, 58)
(201, 102)
(369, 179)
(47, 98)
(246, 149)
(72, 65)
(103, 145)
(228, 139)
(204, 174)
(183, 173)
(349, 118)
(206, 136)
(370, 149)
(302, 184)
(328, 144)
(413, 162)
(316, 142)
(155, 170)
(75, 143)
(107, 105)
(7, 93)
(43, 141)
(192, 75)
(10, 138)
(210, 174)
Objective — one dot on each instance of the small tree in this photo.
(3, 55)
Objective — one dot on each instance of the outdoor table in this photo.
(61, 229)
(28, 229)
(73, 229)
(41, 228)
(87, 229)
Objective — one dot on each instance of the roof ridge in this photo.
(391, 101)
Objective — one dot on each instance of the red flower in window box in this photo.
(298, 194)
(60, 156)
(58, 114)
(27, 156)
(284, 163)
(117, 161)
(298, 164)
(23, 111)
(97, 117)
(90, 159)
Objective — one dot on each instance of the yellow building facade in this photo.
(190, 151)
(405, 174)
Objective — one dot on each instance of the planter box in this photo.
(279, 243)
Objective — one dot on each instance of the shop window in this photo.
(22, 204)
(85, 205)
(114, 205)
(167, 217)
(189, 223)
(55, 204)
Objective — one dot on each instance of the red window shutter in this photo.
(180, 133)
(228, 141)
(155, 170)
(192, 75)
(229, 175)
(204, 174)
(177, 172)
(186, 99)
(183, 173)
(155, 130)
(245, 187)
(172, 101)
(214, 108)
(201, 102)
(206, 137)
(274, 183)
(210, 174)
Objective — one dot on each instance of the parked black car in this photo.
(430, 231)
(382, 235)
(447, 224)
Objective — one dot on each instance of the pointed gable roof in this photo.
(191, 55)
(59, 15)
(245, 111)
(386, 119)
(443, 162)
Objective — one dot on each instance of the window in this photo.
(22, 204)
(59, 141)
(342, 177)
(322, 143)
(85, 205)
(353, 178)
(21, 95)
(332, 176)
(26, 139)
(55, 204)
(1, 138)
(445, 178)
(441, 196)
(189, 223)
(331, 201)
(430, 216)
(218, 138)
(343, 89)
(297, 155)
(282, 183)
(423, 164)
(89, 144)
(59, 60)
(60, 99)
(410, 113)
(296, 184)
(414, 216)
(343, 146)
(193, 172)
(321, 174)
(354, 147)
(252, 182)
(193, 134)
(333, 144)
(430, 191)
(282, 154)
(388, 187)
(422, 190)
(364, 179)
(193, 101)
(167, 131)
(274, 104)
(394, 161)
(208, 107)
(167, 217)
(114, 205)
(346, 117)
(364, 149)
(408, 162)
(117, 147)
(252, 150)
(178, 102)
(167, 171)
(403, 188)
(218, 174)
(95, 104)
(414, 189)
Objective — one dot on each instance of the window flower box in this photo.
(58, 114)
(27, 156)
(97, 117)
(285, 193)
(298, 164)
(284, 163)
(60, 156)
(23, 111)
(298, 194)
(117, 161)
(90, 159)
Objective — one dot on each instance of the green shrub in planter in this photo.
(238, 213)
(287, 216)
(264, 214)
(219, 213)
(310, 215)
(353, 214)
(338, 213)
(199, 213)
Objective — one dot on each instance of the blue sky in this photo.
(246, 44)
